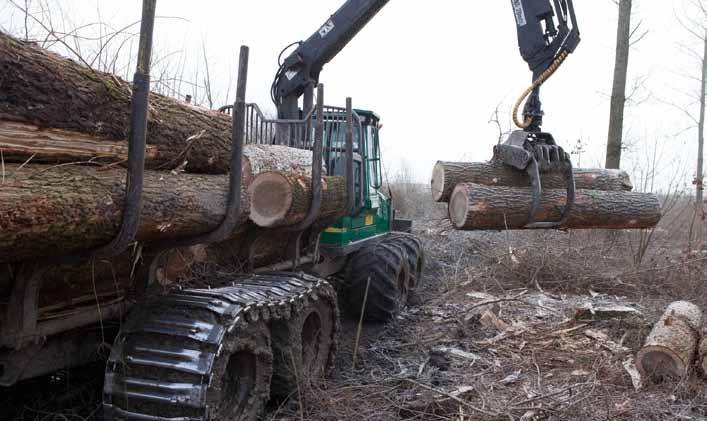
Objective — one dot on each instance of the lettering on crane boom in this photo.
(519, 12)
(328, 27)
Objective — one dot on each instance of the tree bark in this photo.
(702, 355)
(479, 207)
(44, 89)
(618, 93)
(258, 159)
(60, 210)
(284, 199)
(670, 348)
(446, 175)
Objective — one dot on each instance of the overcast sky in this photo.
(436, 70)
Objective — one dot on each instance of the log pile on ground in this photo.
(494, 196)
(670, 349)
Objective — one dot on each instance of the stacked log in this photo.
(281, 199)
(447, 175)
(47, 210)
(63, 148)
(494, 196)
(670, 348)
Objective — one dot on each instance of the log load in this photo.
(670, 348)
(446, 176)
(60, 210)
(283, 199)
(479, 207)
(43, 89)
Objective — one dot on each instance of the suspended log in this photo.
(446, 176)
(479, 207)
(283, 199)
(62, 209)
(41, 88)
(669, 350)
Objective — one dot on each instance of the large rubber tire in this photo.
(304, 347)
(240, 385)
(386, 266)
(415, 255)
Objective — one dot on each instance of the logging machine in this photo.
(218, 344)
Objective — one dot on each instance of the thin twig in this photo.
(359, 329)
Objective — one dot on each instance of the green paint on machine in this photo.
(374, 214)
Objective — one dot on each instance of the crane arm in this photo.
(299, 72)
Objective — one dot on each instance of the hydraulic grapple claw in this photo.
(538, 153)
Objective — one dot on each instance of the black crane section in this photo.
(299, 72)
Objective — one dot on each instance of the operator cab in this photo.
(372, 211)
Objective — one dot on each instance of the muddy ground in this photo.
(499, 331)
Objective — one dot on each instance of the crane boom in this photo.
(299, 72)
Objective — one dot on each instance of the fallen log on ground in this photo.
(702, 355)
(479, 207)
(283, 199)
(669, 350)
(446, 176)
(59, 210)
(41, 88)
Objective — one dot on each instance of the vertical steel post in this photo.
(350, 183)
(138, 133)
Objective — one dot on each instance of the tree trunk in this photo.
(700, 212)
(479, 207)
(618, 93)
(60, 210)
(284, 199)
(446, 175)
(670, 348)
(44, 89)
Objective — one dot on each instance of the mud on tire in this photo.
(415, 255)
(385, 264)
(304, 346)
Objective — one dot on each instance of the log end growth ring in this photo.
(659, 362)
(271, 199)
(437, 183)
(459, 205)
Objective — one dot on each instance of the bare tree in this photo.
(618, 92)
(695, 23)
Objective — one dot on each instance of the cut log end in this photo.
(438, 182)
(670, 348)
(459, 206)
(271, 195)
(659, 362)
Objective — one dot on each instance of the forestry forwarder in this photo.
(218, 345)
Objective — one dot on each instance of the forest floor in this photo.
(518, 326)
(506, 326)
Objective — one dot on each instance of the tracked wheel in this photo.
(304, 345)
(386, 265)
(206, 354)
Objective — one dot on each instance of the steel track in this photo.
(162, 366)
